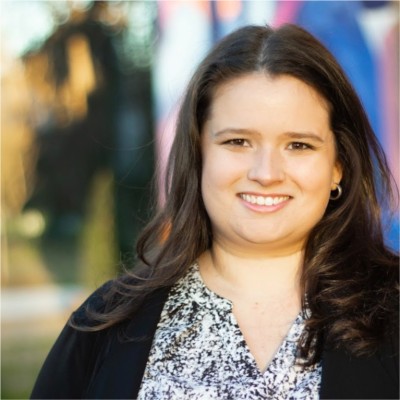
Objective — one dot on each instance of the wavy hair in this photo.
(349, 276)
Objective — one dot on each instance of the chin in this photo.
(271, 242)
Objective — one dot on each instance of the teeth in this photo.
(263, 200)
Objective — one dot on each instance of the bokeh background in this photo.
(89, 94)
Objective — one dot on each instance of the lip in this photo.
(264, 202)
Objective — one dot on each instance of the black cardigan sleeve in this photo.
(101, 364)
(66, 371)
(68, 368)
(367, 377)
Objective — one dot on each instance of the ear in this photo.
(337, 174)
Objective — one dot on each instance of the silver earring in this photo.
(338, 194)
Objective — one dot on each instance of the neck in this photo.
(262, 278)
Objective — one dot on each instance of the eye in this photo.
(237, 142)
(300, 146)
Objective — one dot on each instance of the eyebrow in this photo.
(291, 135)
(304, 135)
(237, 131)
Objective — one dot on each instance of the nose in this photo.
(267, 166)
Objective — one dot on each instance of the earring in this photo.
(337, 195)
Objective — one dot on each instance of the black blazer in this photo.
(104, 365)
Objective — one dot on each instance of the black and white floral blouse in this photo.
(199, 352)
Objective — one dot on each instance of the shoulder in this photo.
(68, 366)
(345, 376)
(96, 303)
(80, 352)
(115, 302)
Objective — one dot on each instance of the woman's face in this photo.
(269, 163)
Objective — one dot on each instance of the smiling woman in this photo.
(265, 276)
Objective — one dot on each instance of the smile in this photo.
(264, 200)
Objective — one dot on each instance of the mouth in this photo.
(263, 200)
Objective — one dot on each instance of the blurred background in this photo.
(89, 94)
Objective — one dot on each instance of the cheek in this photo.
(218, 186)
(314, 178)
(220, 171)
(209, 184)
(213, 184)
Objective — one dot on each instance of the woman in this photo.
(266, 274)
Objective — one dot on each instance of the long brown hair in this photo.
(349, 276)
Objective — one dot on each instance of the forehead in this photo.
(280, 84)
(279, 102)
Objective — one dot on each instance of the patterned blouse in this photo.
(199, 352)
